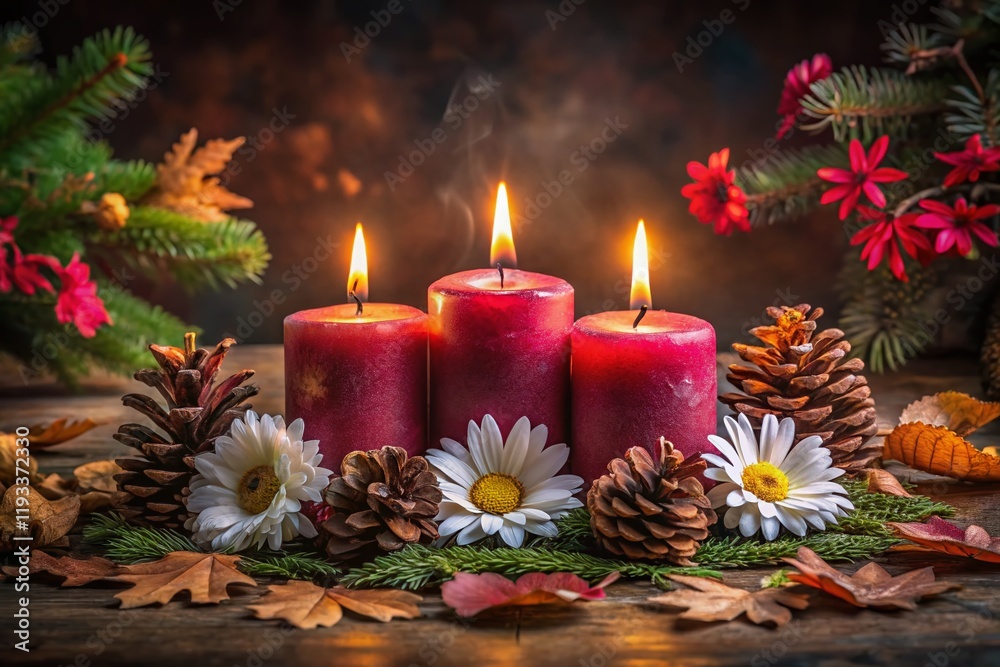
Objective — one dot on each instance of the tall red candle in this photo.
(634, 382)
(357, 374)
(499, 348)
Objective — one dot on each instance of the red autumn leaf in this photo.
(469, 594)
(940, 535)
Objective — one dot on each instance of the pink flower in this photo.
(861, 177)
(971, 162)
(885, 236)
(956, 225)
(797, 83)
(715, 198)
(25, 271)
(78, 301)
(469, 594)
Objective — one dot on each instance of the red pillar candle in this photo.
(499, 349)
(357, 373)
(633, 383)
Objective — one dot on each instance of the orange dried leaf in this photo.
(205, 576)
(938, 450)
(59, 431)
(75, 572)
(871, 586)
(306, 605)
(710, 600)
(185, 182)
(884, 482)
(47, 522)
(954, 410)
(97, 476)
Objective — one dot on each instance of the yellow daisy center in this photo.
(497, 493)
(765, 481)
(257, 489)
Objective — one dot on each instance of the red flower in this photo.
(797, 83)
(971, 162)
(25, 271)
(861, 177)
(714, 197)
(7, 227)
(957, 224)
(78, 301)
(884, 237)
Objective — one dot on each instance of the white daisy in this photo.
(775, 484)
(509, 489)
(251, 489)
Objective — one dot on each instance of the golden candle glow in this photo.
(502, 248)
(359, 267)
(640, 295)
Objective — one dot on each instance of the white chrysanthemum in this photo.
(509, 489)
(773, 484)
(251, 489)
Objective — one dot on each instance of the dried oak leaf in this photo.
(306, 605)
(710, 600)
(884, 482)
(96, 485)
(185, 184)
(47, 522)
(468, 594)
(74, 571)
(940, 535)
(59, 431)
(871, 586)
(954, 410)
(938, 450)
(205, 576)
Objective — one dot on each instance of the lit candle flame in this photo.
(640, 295)
(357, 279)
(502, 249)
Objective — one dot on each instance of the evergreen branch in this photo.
(905, 44)
(976, 112)
(306, 566)
(858, 102)
(106, 67)
(732, 552)
(885, 319)
(417, 566)
(196, 253)
(785, 185)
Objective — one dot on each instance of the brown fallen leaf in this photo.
(184, 181)
(75, 572)
(884, 482)
(205, 576)
(47, 521)
(871, 586)
(97, 476)
(712, 600)
(306, 605)
(938, 450)
(54, 486)
(940, 535)
(59, 431)
(954, 410)
(13, 466)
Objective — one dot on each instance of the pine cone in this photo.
(989, 355)
(383, 500)
(153, 485)
(808, 377)
(654, 510)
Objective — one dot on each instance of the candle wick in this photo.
(638, 318)
(500, 269)
(354, 295)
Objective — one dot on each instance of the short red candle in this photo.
(631, 386)
(499, 351)
(358, 380)
(639, 375)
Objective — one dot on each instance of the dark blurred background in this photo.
(516, 89)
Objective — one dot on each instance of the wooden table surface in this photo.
(84, 627)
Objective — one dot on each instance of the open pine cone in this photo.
(650, 509)
(153, 484)
(808, 377)
(382, 500)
